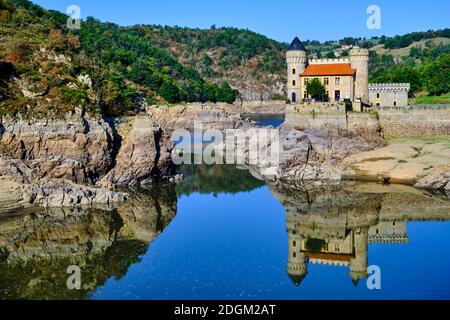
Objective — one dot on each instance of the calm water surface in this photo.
(222, 234)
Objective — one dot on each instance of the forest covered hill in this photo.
(112, 69)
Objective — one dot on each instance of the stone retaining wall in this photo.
(333, 118)
(415, 122)
(394, 122)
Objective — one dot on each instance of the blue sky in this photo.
(277, 19)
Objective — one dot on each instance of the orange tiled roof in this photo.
(329, 256)
(338, 69)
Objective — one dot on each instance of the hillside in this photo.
(102, 67)
(250, 62)
(114, 70)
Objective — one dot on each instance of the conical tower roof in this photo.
(297, 45)
(297, 279)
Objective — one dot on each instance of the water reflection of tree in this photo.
(216, 179)
(36, 249)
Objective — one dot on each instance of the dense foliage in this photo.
(48, 59)
(426, 69)
(408, 39)
(41, 62)
(124, 52)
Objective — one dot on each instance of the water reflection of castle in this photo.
(335, 226)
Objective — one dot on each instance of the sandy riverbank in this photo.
(419, 161)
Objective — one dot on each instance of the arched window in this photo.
(294, 97)
(293, 71)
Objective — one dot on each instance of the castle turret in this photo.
(359, 264)
(296, 60)
(359, 59)
(297, 264)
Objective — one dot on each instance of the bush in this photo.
(74, 97)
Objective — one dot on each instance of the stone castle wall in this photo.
(389, 94)
(415, 122)
(332, 117)
(393, 123)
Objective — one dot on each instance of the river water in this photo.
(223, 234)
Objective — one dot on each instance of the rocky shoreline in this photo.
(78, 159)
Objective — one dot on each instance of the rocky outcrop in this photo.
(76, 148)
(53, 159)
(419, 162)
(305, 154)
(144, 157)
(212, 116)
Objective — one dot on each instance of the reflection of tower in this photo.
(358, 265)
(296, 62)
(297, 264)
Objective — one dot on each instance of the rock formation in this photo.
(55, 159)
(144, 157)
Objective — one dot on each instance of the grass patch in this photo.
(444, 99)
(420, 140)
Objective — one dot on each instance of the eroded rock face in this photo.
(54, 160)
(144, 157)
(314, 154)
(75, 148)
(305, 155)
(184, 117)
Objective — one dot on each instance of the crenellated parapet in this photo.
(389, 87)
(329, 61)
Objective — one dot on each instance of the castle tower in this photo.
(296, 64)
(297, 264)
(359, 264)
(359, 59)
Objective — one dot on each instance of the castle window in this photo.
(378, 104)
(294, 97)
(326, 81)
(294, 254)
(306, 81)
(294, 244)
(378, 96)
(395, 103)
(338, 249)
(326, 247)
(293, 71)
(293, 82)
(338, 81)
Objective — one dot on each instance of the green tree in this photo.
(436, 75)
(316, 89)
(170, 91)
(226, 94)
(330, 55)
